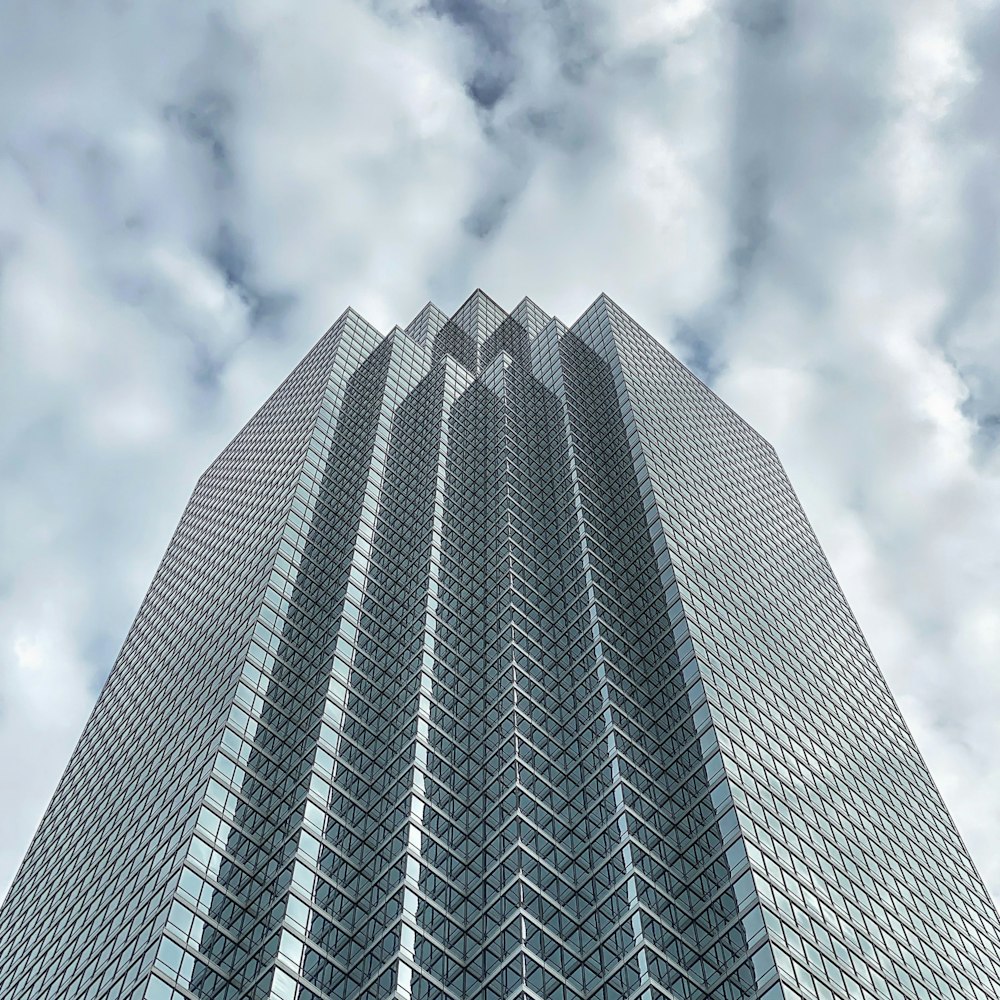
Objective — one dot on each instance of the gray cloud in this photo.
(799, 196)
(967, 327)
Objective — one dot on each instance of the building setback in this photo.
(496, 659)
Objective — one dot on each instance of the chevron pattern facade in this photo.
(495, 659)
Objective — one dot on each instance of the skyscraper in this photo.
(496, 659)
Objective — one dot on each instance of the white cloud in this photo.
(799, 195)
(44, 702)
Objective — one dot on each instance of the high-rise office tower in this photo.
(495, 659)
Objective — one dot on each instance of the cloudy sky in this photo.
(800, 198)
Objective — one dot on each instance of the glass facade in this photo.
(496, 659)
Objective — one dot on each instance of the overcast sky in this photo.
(800, 198)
